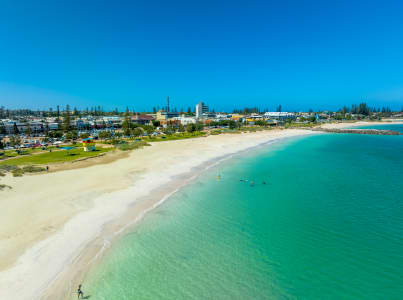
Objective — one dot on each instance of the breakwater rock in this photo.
(359, 131)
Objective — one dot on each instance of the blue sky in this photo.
(230, 54)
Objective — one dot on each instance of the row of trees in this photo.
(89, 111)
(230, 123)
(366, 110)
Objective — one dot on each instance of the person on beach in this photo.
(80, 292)
(47, 168)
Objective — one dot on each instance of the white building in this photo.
(201, 108)
(279, 115)
(53, 126)
(219, 117)
(185, 120)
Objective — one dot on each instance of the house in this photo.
(142, 119)
(165, 115)
(185, 120)
(279, 115)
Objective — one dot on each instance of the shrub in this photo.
(132, 146)
(18, 172)
(3, 186)
(105, 135)
(216, 132)
(7, 168)
(33, 169)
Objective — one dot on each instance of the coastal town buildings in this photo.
(143, 119)
(201, 109)
(185, 120)
(165, 115)
(279, 115)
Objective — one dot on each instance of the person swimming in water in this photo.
(80, 292)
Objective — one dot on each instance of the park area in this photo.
(57, 155)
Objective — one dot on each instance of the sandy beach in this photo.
(360, 123)
(49, 222)
(54, 226)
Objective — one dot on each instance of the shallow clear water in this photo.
(328, 224)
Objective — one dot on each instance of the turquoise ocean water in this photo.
(328, 224)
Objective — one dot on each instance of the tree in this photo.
(199, 126)
(66, 120)
(72, 135)
(126, 126)
(232, 124)
(261, 123)
(149, 129)
(84, 135)
(2, 129)
(15, 140)
(46, 128)
(191, 127)
(15, 129)
(29, 130)
(126, 131)
(156, 123)
(168, 130)
(55, 134)
(58, 114)
(181, 128)
(137, 131)
(2, 112)
(104, 135)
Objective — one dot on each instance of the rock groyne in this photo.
(359, 131)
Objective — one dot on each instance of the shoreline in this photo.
(96, 249)
(71, 248)
(48, 230)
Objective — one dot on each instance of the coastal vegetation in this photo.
(4, 186)
(132, 146)
(18, 171)
(128, 132)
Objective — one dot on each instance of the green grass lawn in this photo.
(56, 156)
(25, 151)
(175, 136)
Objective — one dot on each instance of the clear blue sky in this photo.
(301, 54)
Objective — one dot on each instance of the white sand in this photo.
(47, 221)
(360, 123)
